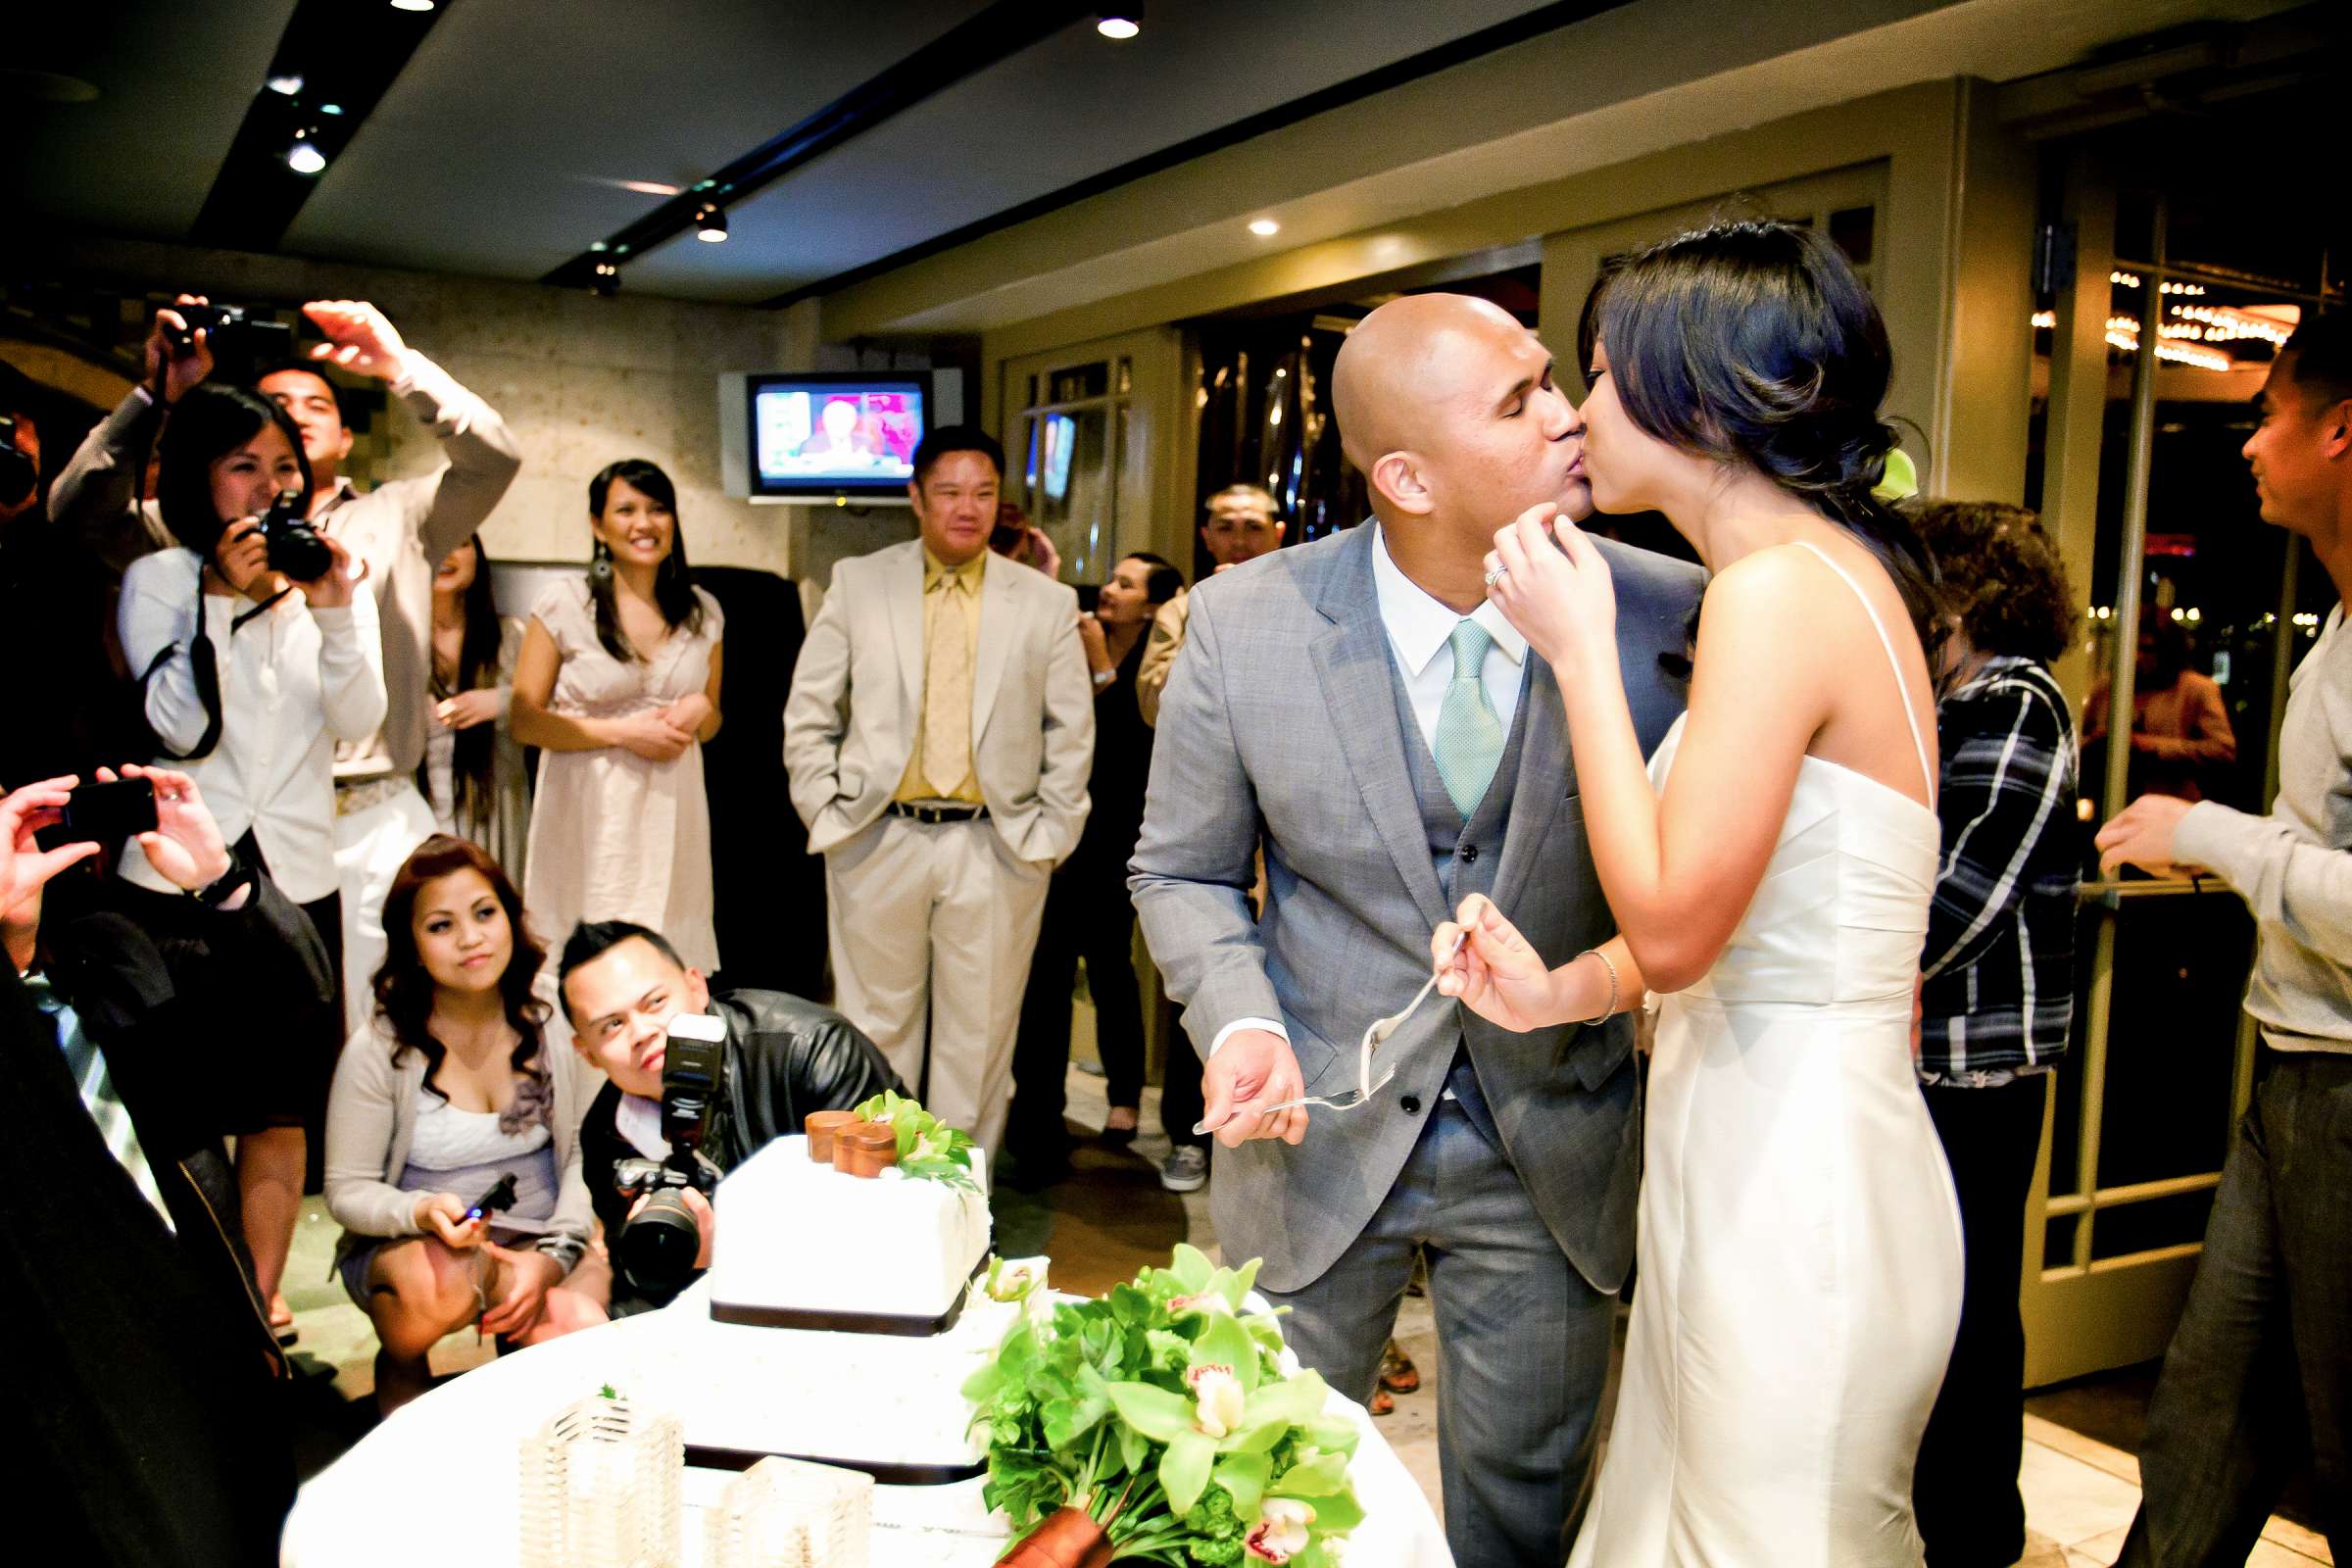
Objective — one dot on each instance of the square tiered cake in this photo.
(804, 1245)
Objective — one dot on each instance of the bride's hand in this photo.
(1495, 974)
(1560, 596)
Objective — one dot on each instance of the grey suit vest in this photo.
(1465, 854)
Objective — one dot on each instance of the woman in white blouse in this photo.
(252, 678)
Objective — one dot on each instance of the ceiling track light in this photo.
(1122, 23)
(605, 280)
(412, 5)
(303, 157)
(711, 223)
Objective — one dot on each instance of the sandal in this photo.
(1382, 1403)
(1397, 1374)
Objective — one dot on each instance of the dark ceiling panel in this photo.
(1061, 113)
(502, 149)
(332, 65)
(173, 82)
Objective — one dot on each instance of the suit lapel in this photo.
(997, 621)
(904, 602)
(1546, 774)
(1354, 666)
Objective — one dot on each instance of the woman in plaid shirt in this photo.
(1997, 986)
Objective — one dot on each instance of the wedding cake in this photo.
(804, 1244)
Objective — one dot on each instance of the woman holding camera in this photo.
(619, 688)
(255, 656)
(455, 1087)
(472, 773)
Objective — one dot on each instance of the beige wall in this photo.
(580, 380)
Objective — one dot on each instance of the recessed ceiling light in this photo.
(647, 187)
(330, 109)
(305, 159)
(1122, 23)
(289, 84)
(710, 224)
(1263, 227)
(411, 5)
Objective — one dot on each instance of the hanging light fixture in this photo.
(1122, 23)
(710, 224)
(305, 158)
(605, 281)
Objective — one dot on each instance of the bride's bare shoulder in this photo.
(1771, 587)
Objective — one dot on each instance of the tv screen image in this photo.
(805, 433)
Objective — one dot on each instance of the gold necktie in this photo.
(947, 690)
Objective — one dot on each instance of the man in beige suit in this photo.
(939, 734)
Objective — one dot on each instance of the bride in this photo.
(1770, 872)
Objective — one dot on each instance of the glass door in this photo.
(2159, 312)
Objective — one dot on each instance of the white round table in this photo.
(436, 1486)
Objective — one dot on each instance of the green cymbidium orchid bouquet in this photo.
(930, 1150)
(1159, 1425)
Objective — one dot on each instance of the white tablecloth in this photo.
(437, 1485)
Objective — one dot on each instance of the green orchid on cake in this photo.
(930, 1150)
(1161, 1425)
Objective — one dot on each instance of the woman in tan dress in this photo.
(618, 687)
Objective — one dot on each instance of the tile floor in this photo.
(1111, 1216)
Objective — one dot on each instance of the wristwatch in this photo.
(222, 889)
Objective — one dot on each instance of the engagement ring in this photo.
(1496, 576)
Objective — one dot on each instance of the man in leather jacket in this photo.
(784, 1057)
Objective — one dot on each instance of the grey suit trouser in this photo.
(1523, 1342)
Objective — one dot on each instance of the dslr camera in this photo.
(295, 547)
(658, 1245)
(240, 341)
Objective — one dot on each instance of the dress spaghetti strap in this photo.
(1901, 686)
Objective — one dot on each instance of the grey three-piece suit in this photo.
(1511, 1158)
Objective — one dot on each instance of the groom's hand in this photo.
(1253, 1067)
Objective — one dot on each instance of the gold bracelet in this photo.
(1609, 1011)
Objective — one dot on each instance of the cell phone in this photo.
(105, 814)
(501, 1196)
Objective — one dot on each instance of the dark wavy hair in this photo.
(2001, 577)
(673, 582)
(404, 989)
(475, 757)
(1753, 342)
(206, 425)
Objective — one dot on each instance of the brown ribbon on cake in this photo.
(865, 1148)
(821, 1126)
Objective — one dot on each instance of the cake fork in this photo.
(1376, 1035)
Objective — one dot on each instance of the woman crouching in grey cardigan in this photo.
(455, 1085)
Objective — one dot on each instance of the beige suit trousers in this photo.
(932, 927)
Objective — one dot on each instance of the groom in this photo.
(1356, 708)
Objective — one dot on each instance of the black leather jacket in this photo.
(785, 1057)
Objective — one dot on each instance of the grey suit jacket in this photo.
(1280, 728)
(857, 703)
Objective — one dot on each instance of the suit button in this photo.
(1412, 1104)
(1469, 852)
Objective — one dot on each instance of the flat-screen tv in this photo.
(834, 437)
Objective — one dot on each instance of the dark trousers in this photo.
(324, 1033)
(2258, 1374)
(1180, 1108)
(1087, 916)
(1964, 1490)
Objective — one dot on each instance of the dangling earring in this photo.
(600, 564)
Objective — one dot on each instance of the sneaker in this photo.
(1185, 1170)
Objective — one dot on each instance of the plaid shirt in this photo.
(1999, 964)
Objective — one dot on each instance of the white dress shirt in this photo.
(1420, 631)
(294, 680)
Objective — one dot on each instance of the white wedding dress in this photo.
(1799, 1241)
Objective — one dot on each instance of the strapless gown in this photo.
(1799, 1241)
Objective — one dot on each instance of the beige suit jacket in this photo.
(857, 703)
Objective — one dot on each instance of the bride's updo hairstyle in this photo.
(1753, 343)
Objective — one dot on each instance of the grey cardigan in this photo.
(372, 1115)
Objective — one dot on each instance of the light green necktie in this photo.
(1469, 734)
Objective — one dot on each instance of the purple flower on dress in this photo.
(534, 1102)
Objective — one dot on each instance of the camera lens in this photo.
(659, 1244)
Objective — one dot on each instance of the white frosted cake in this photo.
(800, 1242)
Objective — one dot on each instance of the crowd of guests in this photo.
(431, 970)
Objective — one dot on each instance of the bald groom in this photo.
(1358, 709)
